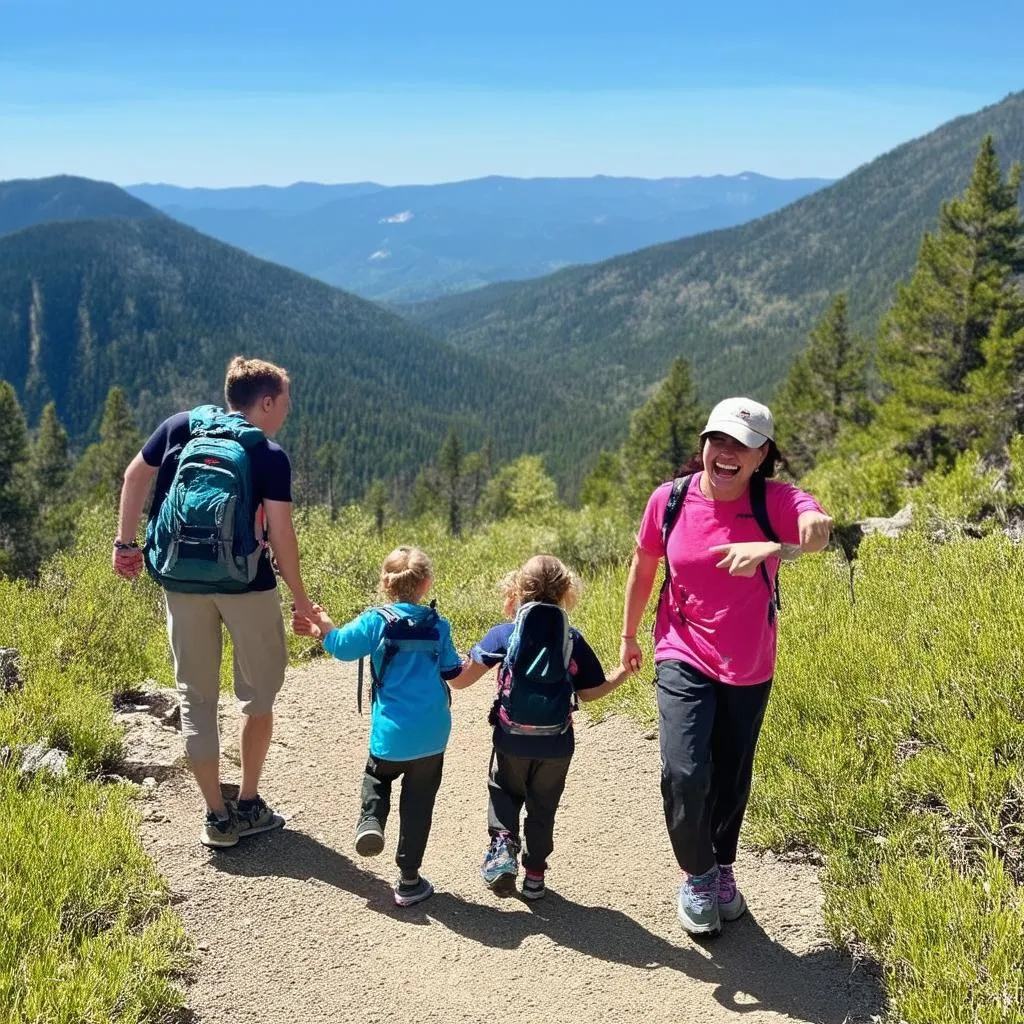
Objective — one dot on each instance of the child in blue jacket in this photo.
(411, 658)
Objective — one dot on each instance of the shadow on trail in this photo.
(750, 971)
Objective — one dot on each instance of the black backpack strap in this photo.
(673, 507)
(759, 507)
(389, 615)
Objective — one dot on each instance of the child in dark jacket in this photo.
(544, 665)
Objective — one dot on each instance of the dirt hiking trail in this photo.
(294, 927)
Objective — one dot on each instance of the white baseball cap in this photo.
(749, 422)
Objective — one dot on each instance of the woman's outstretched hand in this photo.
(743, 559)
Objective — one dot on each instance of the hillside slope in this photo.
(737, 302)
(159, 309)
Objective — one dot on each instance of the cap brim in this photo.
(739, 431)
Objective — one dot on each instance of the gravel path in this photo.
(295, 927)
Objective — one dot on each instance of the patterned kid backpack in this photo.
(535, 691)
(203, 538)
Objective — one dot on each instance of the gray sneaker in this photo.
(219, 833)
(254, 816)
(697, 904)
(369, 837)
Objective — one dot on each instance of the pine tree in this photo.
(663, 435)
(826, 389)
(328, 461)
(18, 534)
(964, 279)
(522, 489)
(51, 460)
(450, 465)
(376, 502)
(603, 485)
(99, 474)
(50, 470)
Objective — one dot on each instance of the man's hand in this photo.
(126, 560)
(815, 528)
(743, 559)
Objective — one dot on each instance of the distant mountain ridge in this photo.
(408, 242)
(737, 302)
(28, 201)
(158, 309)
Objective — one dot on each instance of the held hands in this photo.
(631, 657)
(316, 623)
(743, 559)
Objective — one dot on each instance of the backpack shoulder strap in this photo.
(674, 505)
(389, 615)
(759, 508)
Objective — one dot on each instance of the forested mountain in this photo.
(31, 201)
(158, 309)
(418, 241)
(739, 302)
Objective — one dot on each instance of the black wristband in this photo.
(119, 545)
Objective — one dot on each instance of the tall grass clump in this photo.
(87, 935)
(894, 746)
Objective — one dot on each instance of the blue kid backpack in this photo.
(535, 692)
(404, 636)
(203, 538)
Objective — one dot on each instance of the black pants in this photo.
(708, 736)
(536, 781)
(422, 779)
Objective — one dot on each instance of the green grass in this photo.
(893, 750)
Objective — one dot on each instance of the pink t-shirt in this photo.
(716, 622)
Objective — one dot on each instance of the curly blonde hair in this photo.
(541, 578)
(403, 573)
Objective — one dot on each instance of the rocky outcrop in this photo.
(151, 717)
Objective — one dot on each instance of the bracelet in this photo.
(120, 545)
(627, 636)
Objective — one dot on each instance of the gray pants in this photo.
(421, 779)
(708, 734)
(537, 782)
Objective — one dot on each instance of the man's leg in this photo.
(256, 626)
(194, 628)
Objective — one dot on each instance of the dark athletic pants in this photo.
(708, 733)
(536, 781)
(422, 778)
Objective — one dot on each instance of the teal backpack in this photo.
(202, 539)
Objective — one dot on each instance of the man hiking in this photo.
(222, 499)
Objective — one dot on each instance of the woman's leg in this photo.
(738, 720)
(686, 715)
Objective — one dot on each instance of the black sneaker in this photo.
(369, 837)
(409, 892)
(254, 816)
(533, 886)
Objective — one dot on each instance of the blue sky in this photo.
(220, 92)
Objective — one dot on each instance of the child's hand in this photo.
(317, 626)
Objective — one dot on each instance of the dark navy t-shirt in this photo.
(271, 476)
(586, 673)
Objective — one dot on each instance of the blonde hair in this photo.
(249, 380)
(403, 573)
(542, 578)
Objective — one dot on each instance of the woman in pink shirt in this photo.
(715, 639)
